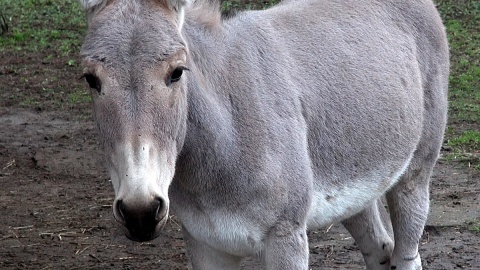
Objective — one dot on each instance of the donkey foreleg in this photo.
(286, 247)
(373, 234)
(203, 257)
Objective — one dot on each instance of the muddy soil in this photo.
(55, 197)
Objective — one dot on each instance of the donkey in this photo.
(256, 127)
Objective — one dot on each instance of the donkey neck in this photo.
(209, 140)
(208, 104)
(228, 114)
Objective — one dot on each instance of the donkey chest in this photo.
(234, 234)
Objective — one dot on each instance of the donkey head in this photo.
(134, 57)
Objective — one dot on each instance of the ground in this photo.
(55, 197)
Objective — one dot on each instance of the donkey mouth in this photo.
(143, 231)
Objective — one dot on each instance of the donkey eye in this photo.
(176, 75)
(93, 82)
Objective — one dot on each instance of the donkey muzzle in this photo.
(142, 223)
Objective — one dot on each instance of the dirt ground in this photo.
(55, 197)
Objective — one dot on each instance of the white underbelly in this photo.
(333, 204)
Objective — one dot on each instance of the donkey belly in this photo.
(333, 203)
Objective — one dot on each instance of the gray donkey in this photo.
(258, 127)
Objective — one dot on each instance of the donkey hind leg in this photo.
(203, 257)
(286, 247)
(373, 234)
(408, 203)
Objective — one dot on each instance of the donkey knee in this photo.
(388, 246)
(286, 247)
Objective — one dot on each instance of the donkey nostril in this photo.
(161, 209)
(120, 209)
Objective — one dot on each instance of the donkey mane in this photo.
(203, 12)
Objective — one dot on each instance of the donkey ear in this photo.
(178, 6)
(89, 4)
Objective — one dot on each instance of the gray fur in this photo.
(301, 115)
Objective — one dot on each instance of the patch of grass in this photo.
(79, 96)
(41, 46)
(469, 139)
(466, 147)
(474, 226)
(462, 21)
(29, 102)
(39, 24)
